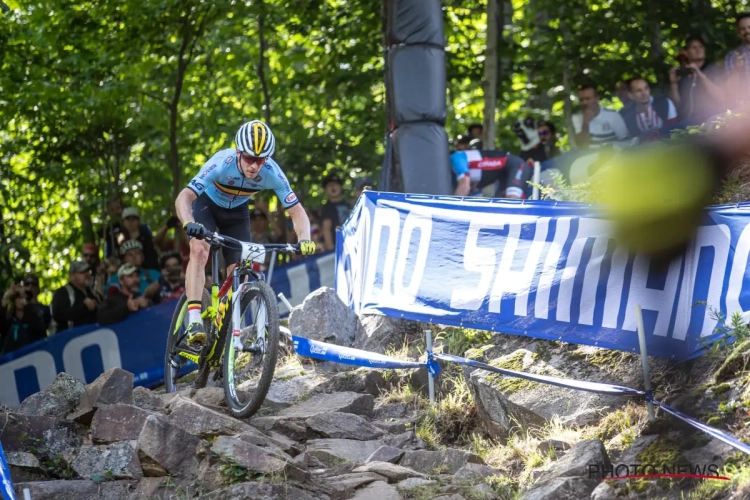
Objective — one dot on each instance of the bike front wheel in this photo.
(248, 371)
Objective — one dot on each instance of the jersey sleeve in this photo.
(205, 176)
(459, 164)
(621, 130)
(283, 190)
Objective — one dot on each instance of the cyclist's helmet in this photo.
(255, 138)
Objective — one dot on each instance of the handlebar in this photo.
(216, 239)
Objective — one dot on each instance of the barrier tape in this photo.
(357, 357)
(615, 390)
(6, 484)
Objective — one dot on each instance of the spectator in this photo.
(361, 184)
(113, 231)
(20, 323)
(548, 136)
(173, 238)
(527, 131)
(623, 94)
(126, 298)
(76, 303)
(335, 210)
(171, 284)
(90, 255)
(737, 61)
(131, 252)
(693, 86)
(31, 290)
(131, 230)
(476, 130)
(649, 113)
(462, 142)
(594, 125)
(259, 226)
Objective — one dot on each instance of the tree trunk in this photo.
(568, 108)
(490, 76)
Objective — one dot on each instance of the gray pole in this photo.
(430, 380)
(644, 360)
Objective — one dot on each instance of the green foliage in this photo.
(457, 340)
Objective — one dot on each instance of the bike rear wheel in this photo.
(248, 375)
(175, 366)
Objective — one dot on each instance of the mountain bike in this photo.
(249, 339)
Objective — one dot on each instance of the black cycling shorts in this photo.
(233, 222)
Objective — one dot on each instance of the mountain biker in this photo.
(219, 197)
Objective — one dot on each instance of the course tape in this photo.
(357, 357)
(615, 390)
(348, 356)
(716, 433)
(6, 484)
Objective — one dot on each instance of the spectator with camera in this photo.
(31, 289)
(97, 268)
(125, 299)
(76, 303)
(171, 283)
(694, 85)
(20, 323)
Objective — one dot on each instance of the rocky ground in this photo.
(334, 432)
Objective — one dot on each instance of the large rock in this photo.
(473, 473)
(113, 423)
(323, 316)
(380, 332)
(288, 389)
(562, 488)
(24, 467)
(53, 436)
(343, 402)
(201, 421)
(262, 491)
(165, 448)
(255, 458)
(393, 472)
(363, 380)
(335, 451)
(344, 426)
(57, 400)
(75, 490)
(147, 400)
(291, 427)
(345, 484)
(386, 454)
(378, 490)
(276, 446)
(543, 401)
(116, 461)
(115, 386)
(445, 461)
(575, 463)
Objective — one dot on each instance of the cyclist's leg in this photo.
(195, 274)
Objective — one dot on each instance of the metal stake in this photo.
(285, 302)
(430, 380)
(644, 362)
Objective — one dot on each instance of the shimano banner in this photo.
(542, 269)
(136, 345)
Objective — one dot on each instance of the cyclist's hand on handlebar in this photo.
(196, 230)
(306, 247)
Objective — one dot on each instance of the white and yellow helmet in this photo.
(256, 139)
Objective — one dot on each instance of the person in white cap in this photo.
(132, 230)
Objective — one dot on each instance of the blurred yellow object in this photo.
(654, 196)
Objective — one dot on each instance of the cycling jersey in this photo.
(223, 182)
(487, 167)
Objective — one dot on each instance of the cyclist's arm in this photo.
(291, 204)
(460, 167)
(300, 221)
(184, 205)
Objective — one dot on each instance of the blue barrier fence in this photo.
(136, 344)
(357, 357)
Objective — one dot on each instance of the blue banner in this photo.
(347, 355)
(538, 268)
(136, 344)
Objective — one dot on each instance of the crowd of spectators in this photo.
(698, 89)
(137, 268)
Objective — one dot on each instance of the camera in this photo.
(683, 72)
